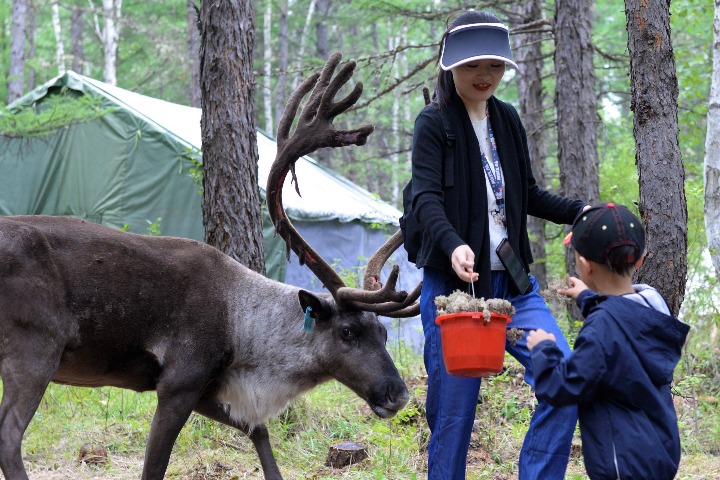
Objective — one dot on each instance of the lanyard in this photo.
(494, 173)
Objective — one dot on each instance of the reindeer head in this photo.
(315, 130)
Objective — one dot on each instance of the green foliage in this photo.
(55, 111)
(193, 157)
(153, 228)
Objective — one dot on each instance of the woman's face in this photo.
(477, 81)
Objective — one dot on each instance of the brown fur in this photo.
(82, 304)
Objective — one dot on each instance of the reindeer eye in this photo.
(346, 333)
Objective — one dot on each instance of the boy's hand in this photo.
(576, 287)
(536, 336)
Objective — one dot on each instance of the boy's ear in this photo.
(584, 263)
(639, 263)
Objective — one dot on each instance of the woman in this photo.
(493, 190)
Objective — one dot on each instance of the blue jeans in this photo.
(452, 401)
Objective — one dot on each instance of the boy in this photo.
(621, 368)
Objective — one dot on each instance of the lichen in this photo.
(459, 301)
(513, 335)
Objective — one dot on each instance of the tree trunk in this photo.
(267, 70)
(322, 50)
(654, 92)
(282, 56)
(231, 198)
(300, 60)
(322, 40)
(57, 28)
(31, 35)
(576, 104)
(527, 49)
(109, 36)
(77, 39)
(16, 71)
(111, 10)
(193, 44)
(712, 154)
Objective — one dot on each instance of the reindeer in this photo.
(82, 304)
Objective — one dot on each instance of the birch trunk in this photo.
(57, 28)
(712, 154)
(111, 9)
(16, 72)
(654, 94)
(109, 36)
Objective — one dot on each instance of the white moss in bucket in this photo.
(458, 302)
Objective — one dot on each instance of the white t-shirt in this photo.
(498, 231)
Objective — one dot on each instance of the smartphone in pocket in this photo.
(514, 266)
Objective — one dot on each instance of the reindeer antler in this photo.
(315, 130)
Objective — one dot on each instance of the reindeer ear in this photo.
(321, 309)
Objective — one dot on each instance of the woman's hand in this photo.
(463, 260)
(536, 336)
(576, 287)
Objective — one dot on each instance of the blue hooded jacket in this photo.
(619, 375)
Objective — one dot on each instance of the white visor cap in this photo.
(477, 41)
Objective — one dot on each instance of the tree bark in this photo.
(576, 104)
(654, 93)
(322, 40)
(77, 39)
(712, 154)
(193, 44)
(282, 59)
(16, 71)
(30, 36)
(527, 49)
(267, 70)
(300, 60)
(231, 198)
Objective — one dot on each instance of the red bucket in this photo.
(471, 347)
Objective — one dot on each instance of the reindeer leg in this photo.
(26, 372)
(175, 403)
(258, 435)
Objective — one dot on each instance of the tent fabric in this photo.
(169, 123)
(129, 168)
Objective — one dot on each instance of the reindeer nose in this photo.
(397, 395)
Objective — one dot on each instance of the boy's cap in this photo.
(477, 41)
(603, 227)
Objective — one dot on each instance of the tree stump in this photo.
(345, 453)
(90, 454)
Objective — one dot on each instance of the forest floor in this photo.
(118, 421)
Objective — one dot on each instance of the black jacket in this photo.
(459, 214)
(619, 375)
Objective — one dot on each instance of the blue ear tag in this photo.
(308, 320)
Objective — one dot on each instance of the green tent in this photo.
(131, 165)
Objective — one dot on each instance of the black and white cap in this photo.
(604, 227)
(476, 41)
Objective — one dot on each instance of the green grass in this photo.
(70, 417)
